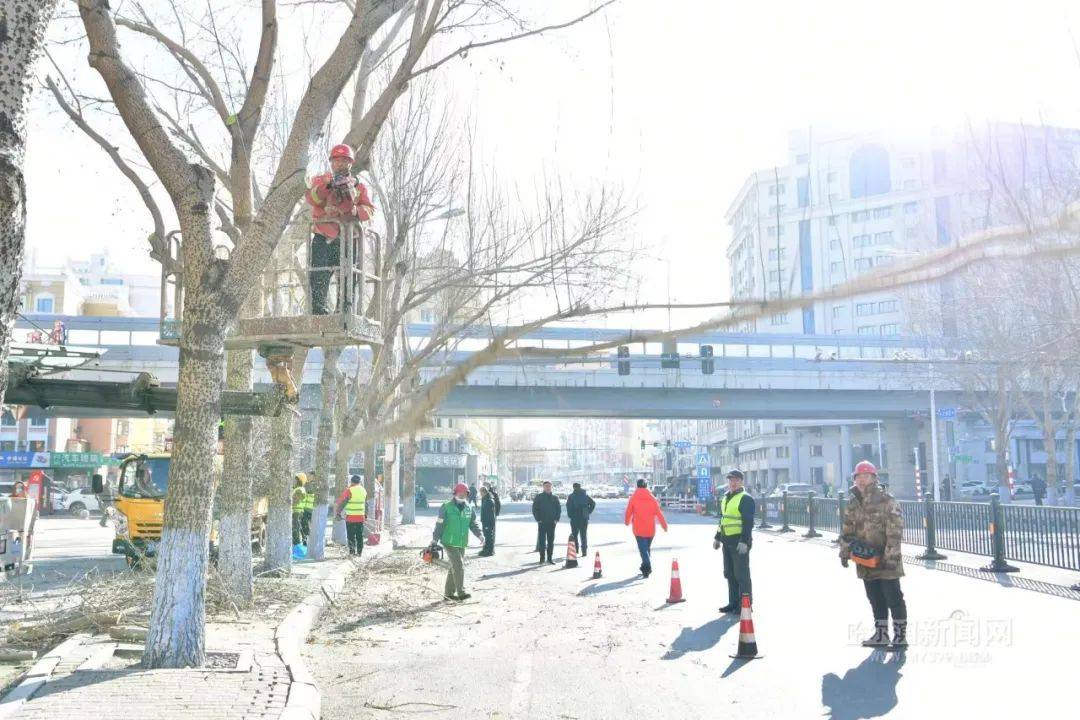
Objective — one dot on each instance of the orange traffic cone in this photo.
(675, 596)
(597, 573)
(747, 642)
(571, 553)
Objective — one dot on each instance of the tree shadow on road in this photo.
(700, 639)
(868, 690)
(511, 573)
(605, 587)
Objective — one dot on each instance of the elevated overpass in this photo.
(754, 375)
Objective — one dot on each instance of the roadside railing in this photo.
(1041, 535)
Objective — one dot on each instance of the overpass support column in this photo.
(901, 437)
(795, 475)
(844, 480)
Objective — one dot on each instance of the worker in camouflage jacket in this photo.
(872, 531)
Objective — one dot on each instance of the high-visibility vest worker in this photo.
(356, 505)
(299, 493)
(731, 520)
(308, 503)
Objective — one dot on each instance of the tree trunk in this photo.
(234, 496)
(1049, 441)
(323, 457)
(21, 44)
(286, 428)
(177, 632)
(408, 481)
(341, 460)
(1001, 443)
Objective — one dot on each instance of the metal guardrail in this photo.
(1033, 534)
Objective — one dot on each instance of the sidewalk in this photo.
(246, 675)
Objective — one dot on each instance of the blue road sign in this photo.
(946, 413)
(704, 488)
(682, 443)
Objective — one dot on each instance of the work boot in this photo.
(899, 635)
(880, 638)
(463, 596)
(730, 608)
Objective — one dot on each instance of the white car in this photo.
(76, 500)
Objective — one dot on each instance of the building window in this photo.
(836, 268)
(837, 311)
(883, 260)
(834, 244)
(883, 238)
(779, 319)
(777, 254)
(869, 171)
(911, 208)
(832, 221)
(7, 446)
(7, 419)
(882, 212)
(816, 451)
(39, 422)
(861, 241)
(863, 263)
(774, 276)
(44, 304)
(890, 329)
(776, 189)
(862, 309)
(36, 446)
(886, 306)
(776, 231)
(868, 330)
(783, 452)
(860, 216)
(778, 208)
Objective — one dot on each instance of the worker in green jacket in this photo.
(456, 520)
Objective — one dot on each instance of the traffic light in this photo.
(707, 365)
(624, 366)
(642, 444)
(669, 357)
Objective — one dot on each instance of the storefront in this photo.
(46, 473)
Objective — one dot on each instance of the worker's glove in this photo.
(844, 561)
(715, 544)
(743, 548)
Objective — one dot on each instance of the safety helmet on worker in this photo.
(343, 152)
(865, 467)
(461, 489)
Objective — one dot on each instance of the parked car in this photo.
(76, 500)
(975, 488)
(800, 489)
(1022, 489)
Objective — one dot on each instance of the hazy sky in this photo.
(677, 105)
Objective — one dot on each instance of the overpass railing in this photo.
(1041, 535)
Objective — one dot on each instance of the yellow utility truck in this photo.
(138, 506)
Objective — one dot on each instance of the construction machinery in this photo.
(138, 504)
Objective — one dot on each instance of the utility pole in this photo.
(933, 439)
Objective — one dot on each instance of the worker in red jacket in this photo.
(644, 512)
(336, 195)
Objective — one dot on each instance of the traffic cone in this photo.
(597, 573)
(747, 642)
(571, 553)
(675, 595)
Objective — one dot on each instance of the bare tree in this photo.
(21, 44)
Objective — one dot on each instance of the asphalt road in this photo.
(547, 642)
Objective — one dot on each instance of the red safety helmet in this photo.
(461, 488)
(341, 151)
(865, 467)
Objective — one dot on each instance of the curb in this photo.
(37, 676)
(304, 701)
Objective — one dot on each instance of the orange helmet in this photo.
(341, 151)
(865, 467)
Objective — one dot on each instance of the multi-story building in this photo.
(600, 451)
(87, 287)
(844, 204)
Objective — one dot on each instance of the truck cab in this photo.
(139, 502)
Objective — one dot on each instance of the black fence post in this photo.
(997, 538)
(811, 533)
(841, 506)
(764, 505)
(930, 524)
(784, 514)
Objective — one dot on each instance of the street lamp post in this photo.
(933, 438)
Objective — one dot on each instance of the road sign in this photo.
(963, 458)
(682, 443)
(704, 488)
(946, 413)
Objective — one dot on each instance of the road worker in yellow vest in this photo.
(307, 507)
(734, 534)
(352, 504)
(299, 536)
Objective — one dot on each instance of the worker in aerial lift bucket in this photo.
(336, 195)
